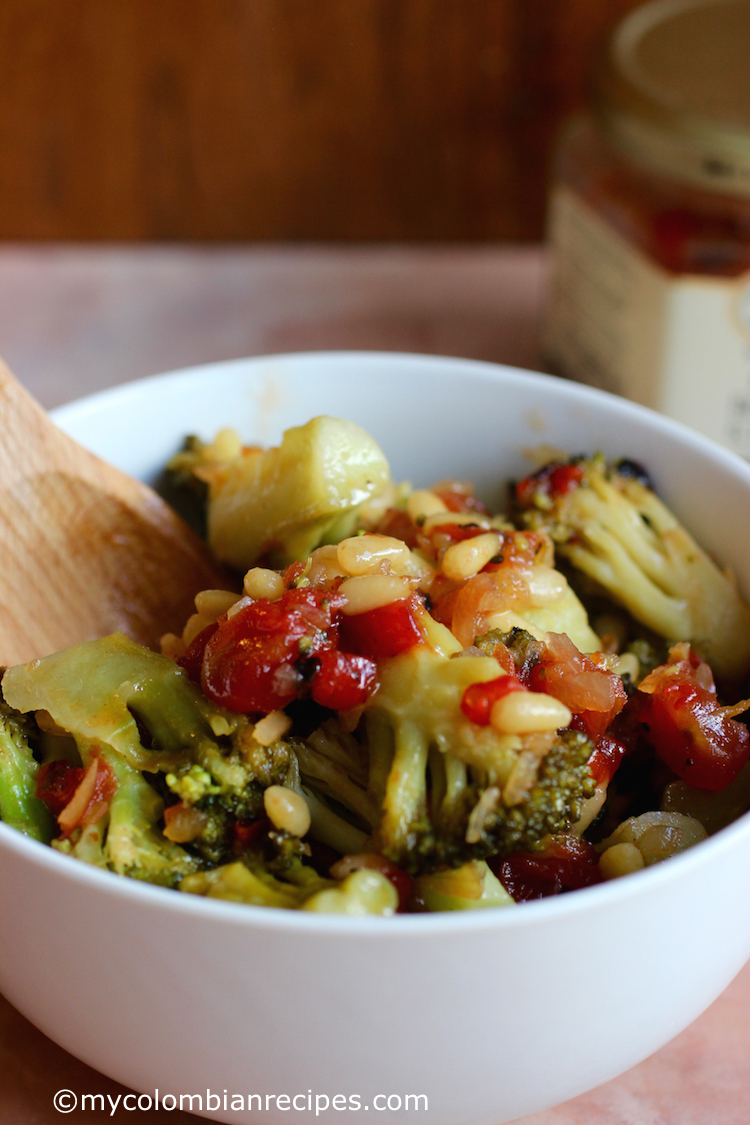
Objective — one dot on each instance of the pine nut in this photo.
(171, 645)
(287, 810)
(628, 664)
(621, 859)
(262, 583)
(521, 712)
(465, 559)
(367, 554)
(371, 591)
(545, 585)
(460, 519)
(324, 566)
(226, 446)
(423, 503)
(194, 625)
(211, 604)
(273, 726)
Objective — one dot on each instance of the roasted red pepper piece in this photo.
(681, 718)
(56, 782)
(249, 661)
(386, 631)
(566, 864)
(606, 758)
(192, 659)
(250, 834)
(343, 681)
(592, 693)
(548, 483)
(684, 724)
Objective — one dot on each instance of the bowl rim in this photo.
(400, 925)
(492, 372)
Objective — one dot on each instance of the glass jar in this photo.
(650, 220)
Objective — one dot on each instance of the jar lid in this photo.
(673, 91)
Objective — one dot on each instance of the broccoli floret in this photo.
(525, 649)
(19, 805)
(439, 789)
(140, 711)
(612, 527)
(226, 785)
(182, 488)
(252, 884)
(283, 502)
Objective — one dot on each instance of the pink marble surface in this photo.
(75, 320)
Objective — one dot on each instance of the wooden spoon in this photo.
(84, 548)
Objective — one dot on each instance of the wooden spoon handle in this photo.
(84, 549)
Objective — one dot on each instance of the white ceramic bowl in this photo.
(491, 1014)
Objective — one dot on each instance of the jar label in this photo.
(677, 343)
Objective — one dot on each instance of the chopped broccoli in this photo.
(448, 789)
(118, 693)
(19, 805)
(609, 524)
(236, 882)
(470, 887)
(134, 845)
(285, 501)
(182, 488)
(141, 713)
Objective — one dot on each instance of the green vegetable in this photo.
(250, 883)
(470, 887)
(19, 805)
(285, 501)
(117, 693)
(438, 789)
(142, 713)
(134, 844)
(615, 530)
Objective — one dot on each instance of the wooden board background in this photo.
(286, 119)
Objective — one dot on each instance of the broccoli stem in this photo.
(405, 805)
(380, 744)
(19, 805)
(135, 846)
